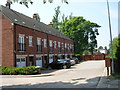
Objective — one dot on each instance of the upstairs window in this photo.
(38, 41)
(21, 43)
(59, 47)
(39, 46)
(51, 46)
(50, 43)
(54, 44)
(45, 43)
(59, 44)
(62, 45)
(30, 41)
(21, 38)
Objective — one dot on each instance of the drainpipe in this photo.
(64, 48)
(47, 49)
(14, 31)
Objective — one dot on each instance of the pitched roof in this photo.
(23, 20)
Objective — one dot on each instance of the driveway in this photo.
(84, 75)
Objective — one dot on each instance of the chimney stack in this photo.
(8, 5)
(50, 24)
(35, 16)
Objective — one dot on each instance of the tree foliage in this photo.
(113, 49)
(118, 54)
(26, 2)
(100, 47)
(82, 32)
(55, 19)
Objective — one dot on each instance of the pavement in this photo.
(108, 81)
(90, 74)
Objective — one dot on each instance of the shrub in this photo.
(19, 71)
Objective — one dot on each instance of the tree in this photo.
(26, 2)
(55, 19)
(114, 47)
(82, 32)
(118, 54)
(100, 47)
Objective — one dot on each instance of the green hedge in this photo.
(19, 71)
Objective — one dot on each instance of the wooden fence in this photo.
(93, 57)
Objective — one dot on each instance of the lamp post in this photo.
(112, 63)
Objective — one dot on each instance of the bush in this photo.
(19, 71)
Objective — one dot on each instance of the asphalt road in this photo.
(84, 75)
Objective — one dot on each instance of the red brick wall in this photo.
(29, 32)
(7, 42)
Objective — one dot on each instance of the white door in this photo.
(21, 62)
(50, 59)
(39, 61)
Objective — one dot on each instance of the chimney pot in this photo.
(50, 24)
(35, 16)
(8, 5)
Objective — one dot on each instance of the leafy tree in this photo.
(114, 47)
(100, 47)
(55, 19)
(82, 32)
(118, 54)
(26, 2)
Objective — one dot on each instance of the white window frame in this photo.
(21, 38)
(65, 45)
(59, 44)
(30, 40)
(54, 44)
(45, 43)
(50, 43)
(38, 41)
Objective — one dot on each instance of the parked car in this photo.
(72, 61)
(76, 60)
(58, 64)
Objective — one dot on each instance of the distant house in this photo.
(104, 51)
(25, 41)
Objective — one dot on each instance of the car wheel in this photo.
(64, 67)
(49, 68)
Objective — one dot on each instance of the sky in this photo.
(92, 10)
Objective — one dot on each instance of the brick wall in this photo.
(10, 31)
(7, 42)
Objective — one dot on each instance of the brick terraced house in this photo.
(25, 41)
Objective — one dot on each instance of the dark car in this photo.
(60, 63)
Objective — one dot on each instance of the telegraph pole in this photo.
(112, 63)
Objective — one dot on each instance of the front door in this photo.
(50, 59)
(31, 58)
(39, 61)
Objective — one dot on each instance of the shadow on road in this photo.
(74, 83)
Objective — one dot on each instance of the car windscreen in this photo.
(61, 60)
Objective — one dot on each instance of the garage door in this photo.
(21, 62)
(39, 61)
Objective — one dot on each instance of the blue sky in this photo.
(93, 10)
